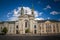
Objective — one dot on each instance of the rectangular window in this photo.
(35, 31)
(57, 27)
(42, 27)
(48, 27)
(53, 28)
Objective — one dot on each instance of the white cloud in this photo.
(39, 18)
(48, 18)
(40, 13)
(36, 13)
(54, 12)
(16, 13)
(13, 18)
(8, 14)
(26, 9)
(47, 7)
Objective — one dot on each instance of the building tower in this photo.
(32, 11)
(22, 10)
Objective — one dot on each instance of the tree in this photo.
(27, 31)
(4, 30)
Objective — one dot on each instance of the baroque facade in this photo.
(27, 24)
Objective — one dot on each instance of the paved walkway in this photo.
(4, 37)
(30, 35)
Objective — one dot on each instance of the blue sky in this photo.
(46, 9)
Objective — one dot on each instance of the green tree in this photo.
(27, 31)
(4, 30)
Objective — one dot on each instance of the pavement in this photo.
(16, 37)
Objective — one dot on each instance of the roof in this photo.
(40, 21)
(7, 21)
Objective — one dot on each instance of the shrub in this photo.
(27, 31)
(4, 30)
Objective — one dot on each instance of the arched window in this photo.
(34, 26)
(25, 24)
(17, 26)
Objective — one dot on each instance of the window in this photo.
(57, 27)
(17, 32)
(42, 27)
(34, 26)
(53, 28)
(25, 24)
(17, 26)
(48, 27)
(35, 31)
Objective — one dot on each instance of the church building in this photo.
(26, 24)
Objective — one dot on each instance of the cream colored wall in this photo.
(11, 29)
(59, 27)
(1, 26)
(31, 26)
(21, 26)
(42, 28)
(22, 22)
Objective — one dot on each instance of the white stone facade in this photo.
(27, 24)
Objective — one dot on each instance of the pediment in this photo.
(24, 16)
(47, 22)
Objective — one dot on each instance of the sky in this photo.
(43, 9)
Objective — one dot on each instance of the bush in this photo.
(27, 31)
(4, 30)
(2, 33)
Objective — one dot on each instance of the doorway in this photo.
(34, 31)
(17, 32)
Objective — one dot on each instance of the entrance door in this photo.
(35, 31)
(17, 32)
